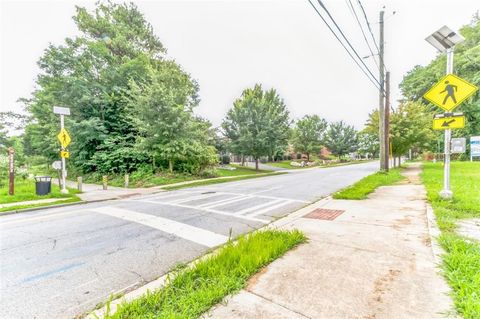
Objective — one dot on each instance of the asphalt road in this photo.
(60, 263)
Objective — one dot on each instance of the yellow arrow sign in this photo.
(65, 154)
(449, 122)
(64, 138)
(450, 92)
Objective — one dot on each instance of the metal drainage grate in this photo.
(325, 214)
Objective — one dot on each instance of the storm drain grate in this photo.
(325, 214)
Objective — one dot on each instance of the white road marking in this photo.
(266, 190)
(263, 211)
(221, 200)
(225, 202)
(254, 208)
(189, 199)
(162, 196)
(188, 232)
(208, 210)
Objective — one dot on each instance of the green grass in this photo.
(25, 191)
(218, 181)
(461, 261)
(368, 184)
(239, 170)
(192, 291)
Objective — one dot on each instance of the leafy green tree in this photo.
(341, 139)
(168, 128)
(257, 124)
(368, 144)
(307, 136)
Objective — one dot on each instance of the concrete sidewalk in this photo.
(375, 260)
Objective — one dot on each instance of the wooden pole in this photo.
(381, 100)
(387, 121)
(11, 171)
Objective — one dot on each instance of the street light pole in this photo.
(446, 192)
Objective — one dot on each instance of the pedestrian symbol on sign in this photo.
(450, 89)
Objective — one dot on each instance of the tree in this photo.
(308, 134)
(257, 124)
(410, 127)
(168, 129)
(97, 75)
(341, 139)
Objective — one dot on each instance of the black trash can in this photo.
(43, 185)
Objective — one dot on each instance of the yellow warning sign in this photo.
(450, 92)
(65, 154)
(449, 122)
(64, 138)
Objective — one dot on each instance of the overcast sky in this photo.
(229, 45)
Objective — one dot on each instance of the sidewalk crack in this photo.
(271, 301)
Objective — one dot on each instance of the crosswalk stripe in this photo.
(197, 235)
(189, 199)
(225, 202)
(208, 210)
(254, 208)
(263, 211)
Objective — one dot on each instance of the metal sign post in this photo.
(446, 192)
(62, 111)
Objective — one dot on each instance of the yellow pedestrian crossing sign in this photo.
(450, 92)
(64, 138)
(449, 122)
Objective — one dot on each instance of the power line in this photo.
(346, 39)
(368, 24)
(363, 33)
(374, 82)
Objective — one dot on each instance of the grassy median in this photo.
(192, 291)
(367, 185)
(462, 259)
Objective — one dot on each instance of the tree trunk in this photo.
(308, 157)
(170, 166)
(243, 160)
(256, 164)
(394, 161)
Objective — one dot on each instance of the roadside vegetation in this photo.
(367, 185)
(25, 191)
(192, 291)
(225, 179)
(461, 262)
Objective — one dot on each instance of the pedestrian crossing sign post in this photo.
(450, 92)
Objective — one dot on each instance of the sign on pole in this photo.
(64, 138)
(61, 110)
(459, 145)
(450, 92)
(57, 165)
(64, 154)
(441, 122)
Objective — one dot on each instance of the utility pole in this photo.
(381, 107)
(11, 171)
(387, 121)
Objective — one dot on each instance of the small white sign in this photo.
(61, 110)
(459, 145)
(57, 165)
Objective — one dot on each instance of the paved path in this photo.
(59, 263)
(373, 261)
